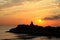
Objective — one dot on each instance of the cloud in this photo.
(8, 3)
(56, 17)
(56, 11)
(58, 2)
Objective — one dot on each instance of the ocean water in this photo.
(10, 36)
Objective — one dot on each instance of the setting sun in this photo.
(39, 20)
(42, 12)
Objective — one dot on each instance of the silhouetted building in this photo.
(34, 30)
(31, 24)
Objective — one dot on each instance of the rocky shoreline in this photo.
(36, 30)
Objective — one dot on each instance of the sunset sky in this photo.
(14, 12)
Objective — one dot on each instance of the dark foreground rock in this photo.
(36, 30)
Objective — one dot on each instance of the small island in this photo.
(36, 30)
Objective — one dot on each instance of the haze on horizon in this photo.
(14, 12)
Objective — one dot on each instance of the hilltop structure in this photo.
(31, 24)
(36, 30)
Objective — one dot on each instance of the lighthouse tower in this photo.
(31, 24)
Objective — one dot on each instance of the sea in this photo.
(11, 36)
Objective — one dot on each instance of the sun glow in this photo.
(39, 20)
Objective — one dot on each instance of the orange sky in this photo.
(14, 12)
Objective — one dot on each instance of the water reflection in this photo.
(25, 36)
(29, 37)
(10, 36)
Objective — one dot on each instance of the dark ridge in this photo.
(36, 30)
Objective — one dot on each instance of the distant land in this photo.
(36, 30)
